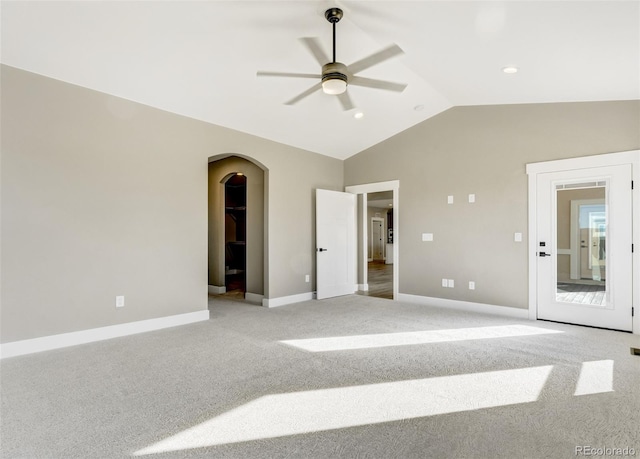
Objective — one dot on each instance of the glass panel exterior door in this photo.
(584, 258)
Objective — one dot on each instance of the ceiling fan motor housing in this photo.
(334, 71)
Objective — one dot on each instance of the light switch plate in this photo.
(120, 302)
(444, 282)
(472, 198)
(472, 285)
(427, 237)
(450, 283)
(517, 237)
(449, 199)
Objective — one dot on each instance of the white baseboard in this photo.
(47, 343)
(216, 290)
(464, 305)
(253, 297)
(363, 287)
(283, 300)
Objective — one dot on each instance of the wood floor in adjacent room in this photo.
(380, 280)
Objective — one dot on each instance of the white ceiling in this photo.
(200, 59)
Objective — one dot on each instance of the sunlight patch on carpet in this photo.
(595, 378)
(339, 343)
(294, 413)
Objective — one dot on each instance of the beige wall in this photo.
(104, 197)
(482, 150)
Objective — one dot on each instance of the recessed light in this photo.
(239, 174)
(418, 107)
(510, 69)
(358, 115)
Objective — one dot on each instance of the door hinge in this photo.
(632, 184)
(632, 311)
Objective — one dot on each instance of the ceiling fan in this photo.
(335, 75)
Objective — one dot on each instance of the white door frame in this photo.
(382, 244)
(391, 185)
(596, 161)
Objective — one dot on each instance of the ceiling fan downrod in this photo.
(334, 74)
(333, 15)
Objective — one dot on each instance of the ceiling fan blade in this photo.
(377, 84)
(288, 74)
(313, 45)
(345, 101)
(304, 94)
(375, 58)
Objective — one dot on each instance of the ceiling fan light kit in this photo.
(335, 75)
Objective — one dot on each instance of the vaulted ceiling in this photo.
(200, 59)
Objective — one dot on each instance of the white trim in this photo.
(216, 290)
(608, 159)
(364, 243)
(635, 170)
(391, 185)
(363, 287)
(574, 235)
(253, 297)
(585, 162)
(533, 250)
(284, 300)
(464, 306)
(373, 187)
(47, 343)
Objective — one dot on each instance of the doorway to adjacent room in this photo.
(380, 200)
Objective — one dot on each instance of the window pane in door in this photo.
(581, 244)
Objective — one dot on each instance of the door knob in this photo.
(322, 250)
(544, 254)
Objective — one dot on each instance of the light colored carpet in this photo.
(394, 380)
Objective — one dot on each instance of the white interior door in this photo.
(595, 299)
(377, 250)
(335, 243)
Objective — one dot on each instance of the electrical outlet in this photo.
(449, 199)
(472, 285)
(307, 278)
(120, 302)
(472, 198)
(517, 237)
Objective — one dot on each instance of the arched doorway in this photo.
(237, 231)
